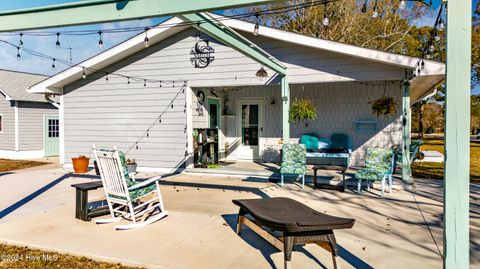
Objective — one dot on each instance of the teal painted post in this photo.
(406, 132)
(457, 140)
(285, 110)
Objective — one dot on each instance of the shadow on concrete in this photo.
(267, 250)
(5, 212)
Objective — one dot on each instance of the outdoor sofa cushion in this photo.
(288, 215)
(310, 141)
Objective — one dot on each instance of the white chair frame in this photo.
(115, 185)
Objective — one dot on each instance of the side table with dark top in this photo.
(85, 210)
(342, 169)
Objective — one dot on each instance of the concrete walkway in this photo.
(401, 231)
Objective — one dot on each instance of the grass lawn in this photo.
(11, 165)
(23, 257)
(435, 170)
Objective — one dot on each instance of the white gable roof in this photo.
(432, 74)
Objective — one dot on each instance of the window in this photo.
(53, 130)
(1, 123)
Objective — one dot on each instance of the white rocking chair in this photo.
(124, 194)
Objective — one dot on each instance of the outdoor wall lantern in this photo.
(261, 74)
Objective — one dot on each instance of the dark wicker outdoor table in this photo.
(340, 168)
(298, 224)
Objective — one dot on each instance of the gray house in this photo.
(233, 93)
(28, 122)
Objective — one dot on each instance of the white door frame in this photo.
(244, 150)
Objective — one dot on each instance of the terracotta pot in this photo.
(80, 165)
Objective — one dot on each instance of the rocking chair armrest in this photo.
(142, 184)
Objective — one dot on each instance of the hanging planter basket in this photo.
(384, 106)
(302, 110)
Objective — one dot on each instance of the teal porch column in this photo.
(406, 132)
(456, 243)
(285, 110)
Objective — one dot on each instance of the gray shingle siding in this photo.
(7, 136)
(31, 124)
(113, 112)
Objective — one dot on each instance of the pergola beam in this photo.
(456, 242)
(235, 41)
(100, 11)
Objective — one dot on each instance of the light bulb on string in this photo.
(20, 43)
(146, 40)
(53, 63)
(402, 5)
(100, 41)
(441, 25)
(375, 10)
(128, 80)
(422, 64)
(84, 75)
(364, 7)
(160, 83)
(437, 37)
(431, 48)
(18, 53)
(326, 20)
(106, 76)
(171, 105)
(144, 83)
(148, 133)
(57, 44)
(257, 25)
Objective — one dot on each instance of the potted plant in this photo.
(80, 164)
(384, 106)
(131, 166)
(302, 110)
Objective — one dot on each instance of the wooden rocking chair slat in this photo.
(123, 200)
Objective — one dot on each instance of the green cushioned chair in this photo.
(379, 164)
(294, 161)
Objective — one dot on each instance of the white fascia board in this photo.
(135, 44)
(7, 97)
(431, 67)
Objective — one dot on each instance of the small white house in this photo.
(341, 80)
(28, 122)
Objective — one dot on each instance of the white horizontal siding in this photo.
(339, 105)
(31, 124)
(116, 113)
(7, 135)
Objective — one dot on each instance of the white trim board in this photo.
(135, 44)
(17, 135)
(22, 155)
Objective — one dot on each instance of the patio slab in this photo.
(403, 230)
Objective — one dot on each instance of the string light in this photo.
(326, 20)
(441, 25)
(53, 63)
(160, 83)
(100, 41)
(144, 83)
(375, 10)
(20, 43)
(58, 40)
(84, 75)
(402, 5)
(146, 40)
(106, 76)
(18, 53)
(257, 25)
(364, 7)
(128, 80)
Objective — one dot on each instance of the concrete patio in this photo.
(401, 231)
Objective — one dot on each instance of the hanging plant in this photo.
(384, 106)
(302, 110)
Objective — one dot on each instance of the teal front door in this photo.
(213, 113)
(52, 133)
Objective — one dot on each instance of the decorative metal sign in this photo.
(202, 54)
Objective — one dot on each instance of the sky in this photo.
(83, 47)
